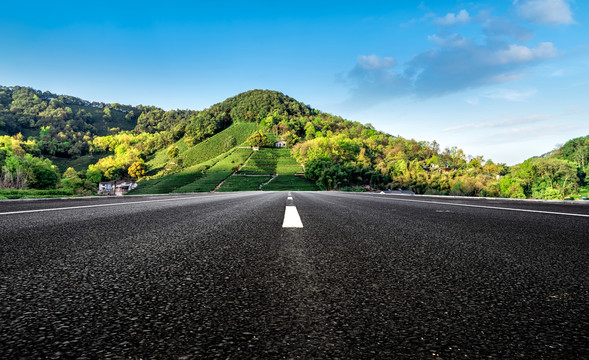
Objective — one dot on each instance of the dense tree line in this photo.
(20, 169)
(62, 125)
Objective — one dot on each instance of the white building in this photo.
(117, 188)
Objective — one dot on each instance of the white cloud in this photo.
(373, 62)
(510, 95)
(450, 41)
(532, 132)
(451, 18)
(545, 50)
(521, 53)
(497, 27)
(545, 11)
(557, 73)
(501, 124)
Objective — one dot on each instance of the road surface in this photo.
(354, 276)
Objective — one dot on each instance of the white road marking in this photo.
(98, 205)
(490, 207)
(289, 198)
(292, 218)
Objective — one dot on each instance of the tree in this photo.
(173, 152)
(549, 193)
(70, 173)
(137, 170)
(43, 178)
(71, 179)
(258, 139)
(45, 132)
(310, 131)
(93, 174)
(106, 114)
(556, 174)
(115, 173)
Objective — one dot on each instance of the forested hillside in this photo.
(179, 150)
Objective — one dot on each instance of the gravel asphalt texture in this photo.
(216, 276)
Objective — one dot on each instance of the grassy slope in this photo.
(290, 182)
(267, 162)
(168, 184)
(243, 183)
(159, 160)
(217, 173)
(207, 174)
(271, 161)
(208, 153)
(214, 146)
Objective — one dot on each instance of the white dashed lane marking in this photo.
(292, 218)
(291, 215)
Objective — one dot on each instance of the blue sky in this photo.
(504, 79)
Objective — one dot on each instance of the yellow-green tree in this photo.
(258, 139)
(137, 169)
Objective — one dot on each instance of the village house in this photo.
(280, 144)
(117, 188)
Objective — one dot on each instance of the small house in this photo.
(280, 144)
(105, 187)
(117, 188)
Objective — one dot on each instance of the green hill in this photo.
(62, 124)
(43, 134)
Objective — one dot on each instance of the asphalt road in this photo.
(367, 276)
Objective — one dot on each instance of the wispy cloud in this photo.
(553, 12)
(500, 27)
(520, 134)
(472, 101)
(519, 53)
(427, 17)
(373, 62)
(499, 124)
(510, 95)
(557, 73)
(452, 19)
